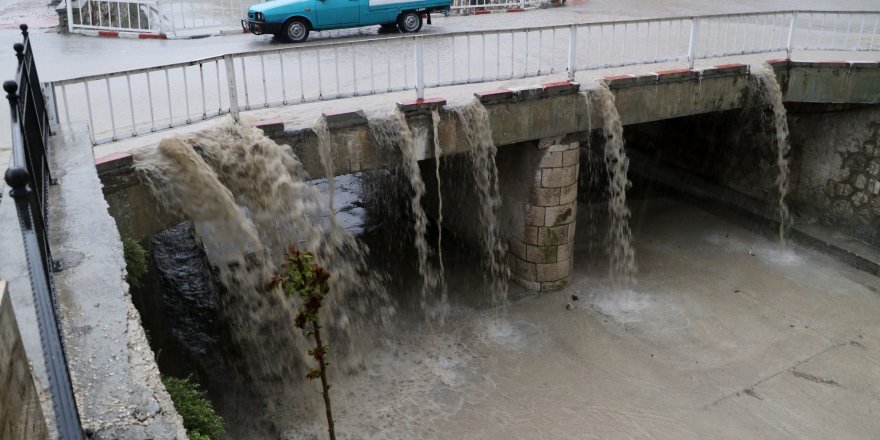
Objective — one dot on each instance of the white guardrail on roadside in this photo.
(489, 5)
(175, 16)
(135, 102)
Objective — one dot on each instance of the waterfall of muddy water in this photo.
(248, 200)
(325, 151)
(394, 135)
(438, 152)
(588, 177)
(478, 130)
(623, 260)
(770, 94)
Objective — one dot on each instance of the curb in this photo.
(221, 32)
(496, 11)
(157, 36)
(115, 34)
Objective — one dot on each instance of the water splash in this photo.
(623, 260)
(478, 131)
(438, 153)
(770, 93)
(395, 135)
(248, 198)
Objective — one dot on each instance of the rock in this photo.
(841, 209)
(874, 167)
(859, 199)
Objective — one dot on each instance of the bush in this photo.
(199, 418)
(135, 262)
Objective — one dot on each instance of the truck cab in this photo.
(293, 20)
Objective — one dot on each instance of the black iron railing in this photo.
(29, 178)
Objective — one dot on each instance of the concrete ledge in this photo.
(676, 75)
(617, 81)
(778, 64)
(418, 105)
(821, 64)
(864, 64)
(113, 163)
(270, 125)
(644, 79)
(527, 93)
(495, 96)
(561, 88)
(725, 70)
(344, 118)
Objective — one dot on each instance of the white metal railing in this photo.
(183, 15)
(113, 15)
(125, 104)
(489, 5)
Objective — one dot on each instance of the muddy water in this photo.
(393, 134)
(438, 153)
(478, 130)
(623, 260)
(669, 360)
(248, 200)
(770, 94)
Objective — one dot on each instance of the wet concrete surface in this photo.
(115, 379)
(725, 335)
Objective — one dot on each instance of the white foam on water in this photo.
(518, 335)
(623, 306)
(768, 253)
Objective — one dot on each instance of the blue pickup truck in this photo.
(292, 20)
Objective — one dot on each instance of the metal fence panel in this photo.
(134, 102)
(114, 15)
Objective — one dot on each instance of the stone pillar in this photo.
(539, 188)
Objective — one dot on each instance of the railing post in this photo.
(420, 68)
(51, 105)
(232, 85)
(572, 51)
(791, 26)
(18, 178)
(692, 45)
(70, 15)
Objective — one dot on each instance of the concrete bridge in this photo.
(538, 131)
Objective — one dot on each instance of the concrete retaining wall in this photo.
(20, 414)
(838, 166)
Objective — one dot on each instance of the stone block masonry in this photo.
(541, 211)
(837, 158)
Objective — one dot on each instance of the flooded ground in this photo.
(724, 335)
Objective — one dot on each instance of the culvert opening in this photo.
(449, 377)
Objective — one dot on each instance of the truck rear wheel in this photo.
(409, 22)
(296, 30)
